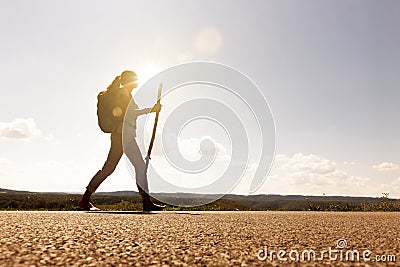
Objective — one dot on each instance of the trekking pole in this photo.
(153, 136)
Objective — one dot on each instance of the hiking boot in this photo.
(150, 206)
(88, 206)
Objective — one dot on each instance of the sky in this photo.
(328, 69)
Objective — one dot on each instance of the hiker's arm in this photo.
(138, 112)
(133, 108)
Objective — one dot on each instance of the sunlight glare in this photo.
(146, 72)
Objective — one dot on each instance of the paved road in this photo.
(196, 238)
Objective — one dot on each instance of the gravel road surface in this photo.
(198, 238)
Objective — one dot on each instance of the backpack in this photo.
(107, 102)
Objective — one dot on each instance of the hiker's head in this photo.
(129, 79)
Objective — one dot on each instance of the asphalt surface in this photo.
(197, 238)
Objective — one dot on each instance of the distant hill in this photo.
(259, 197)
(130, 200)
(8, 191)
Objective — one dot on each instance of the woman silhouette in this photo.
(128, 80)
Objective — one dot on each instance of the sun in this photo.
(145, 72)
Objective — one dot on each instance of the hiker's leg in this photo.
(114, 155)
(134, 155)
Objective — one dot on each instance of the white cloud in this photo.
(190, 148)
(386, 166)
(19, 129)
(306, 164)
(351, 163)
(194, 147)
(311, 174)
